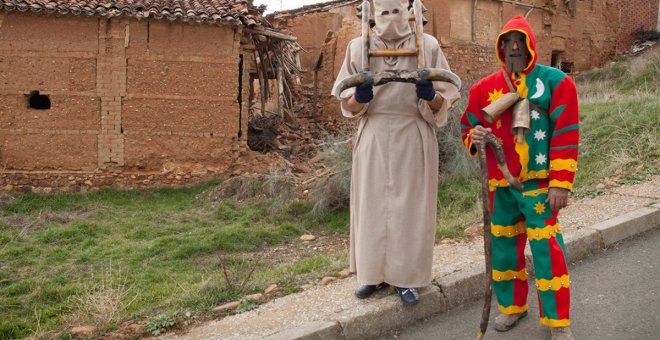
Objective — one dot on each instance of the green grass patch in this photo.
(157, 251)
(458, 206)
(619, 138)
(620, 123)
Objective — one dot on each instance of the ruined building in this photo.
(119, 93)
(126, 93)
(636, 16)
(573, 35)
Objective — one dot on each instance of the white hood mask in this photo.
(391, 18)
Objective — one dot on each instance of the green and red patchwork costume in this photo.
(546, 158)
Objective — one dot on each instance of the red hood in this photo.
(520, 24)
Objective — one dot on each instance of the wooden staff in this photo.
(489, 139)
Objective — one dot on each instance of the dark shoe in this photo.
(505, 322)
(409, 296)
(365, 291)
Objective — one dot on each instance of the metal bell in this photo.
(492, 111)
(521, 119)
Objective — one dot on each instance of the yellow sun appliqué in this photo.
(499, 124)
(495, 95)
(539, 208)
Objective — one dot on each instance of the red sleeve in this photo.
(564, 117)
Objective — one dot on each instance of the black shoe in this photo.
(409, 296)
(365, 291)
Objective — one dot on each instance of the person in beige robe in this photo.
(394, 178)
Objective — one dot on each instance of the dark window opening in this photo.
(39, 101)
(567, 66)
(555, 61)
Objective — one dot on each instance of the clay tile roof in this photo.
(319, 7)
(232, 12)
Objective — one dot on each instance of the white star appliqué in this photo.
(541, 159)
(539, 135)
(535, 115)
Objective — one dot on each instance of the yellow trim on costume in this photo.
(563, 164)
(555, 284)
(541, 174)
(543, 233)
(522, 88)
(554, 183)
(555, 323)
(494, 184)
(522, 149)
(468, 142)
(513, 309)
(509, 275)
(534, 193)
(508, 230)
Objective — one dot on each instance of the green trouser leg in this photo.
(518, 217)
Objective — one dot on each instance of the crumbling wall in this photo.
(573, 38)
(132, 103)
(581, 41)
(636, 15)
(324, 36)
(312, 31)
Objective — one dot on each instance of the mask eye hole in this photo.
(395, 11)
(385, 13)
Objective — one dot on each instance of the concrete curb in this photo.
(385, 314)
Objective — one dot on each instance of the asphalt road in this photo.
(614, 295)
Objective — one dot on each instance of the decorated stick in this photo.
(489, 139)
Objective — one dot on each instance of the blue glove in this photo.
(364, 93)
(425, 90)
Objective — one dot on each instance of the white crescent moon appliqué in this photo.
(540, 89)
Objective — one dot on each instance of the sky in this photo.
(276, 5)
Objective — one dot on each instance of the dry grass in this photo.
(331, 190)
(280, 183)
(103, 301)
(622, 79)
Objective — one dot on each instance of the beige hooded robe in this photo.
(394, 178)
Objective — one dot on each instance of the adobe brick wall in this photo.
(636, 14)
(56, 56)
(134, 103)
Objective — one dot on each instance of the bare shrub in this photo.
(240, 188)
(239, 280)
(331, 189)
(455, 162)
(103, 302)
(280, 183)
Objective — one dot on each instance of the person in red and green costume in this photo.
(544, 161)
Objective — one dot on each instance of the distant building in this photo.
(636, 16)
(572, 35)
